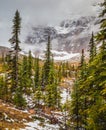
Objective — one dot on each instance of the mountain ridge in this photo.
(70, 37)
(67, 39)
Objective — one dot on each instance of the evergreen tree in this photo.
(79, 104)
(13, 74)
(60, 73)
(49, 97)
(16, 48)
(47, 64)
(75, 111)
(24, 75)
(19, 100)
(30, 64)
(50, 80)
(30, 73)
(63, 69)
(52, 97)
(82, 66)
(38, 95)
(1, 87)
(92, 48)
(89, 103)
(10, 72)
(37, 73)
(95, 84)
(4, 94)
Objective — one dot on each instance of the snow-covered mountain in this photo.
(68, 39)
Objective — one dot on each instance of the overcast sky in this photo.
(37, 12)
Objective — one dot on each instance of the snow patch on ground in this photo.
(65, 96)
(29, 100)
(36, 126)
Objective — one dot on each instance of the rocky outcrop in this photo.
(70, 35)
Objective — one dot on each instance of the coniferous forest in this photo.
(24, 76)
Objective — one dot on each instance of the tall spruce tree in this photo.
(47, 64)
(13, 75)
(16, 48)
(50, 80)
(78, 104)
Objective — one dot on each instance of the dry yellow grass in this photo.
(14, 114)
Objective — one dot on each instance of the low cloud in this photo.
(35, 12)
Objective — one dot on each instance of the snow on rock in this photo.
(62, 30)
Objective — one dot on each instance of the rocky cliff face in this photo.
(71, 35)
